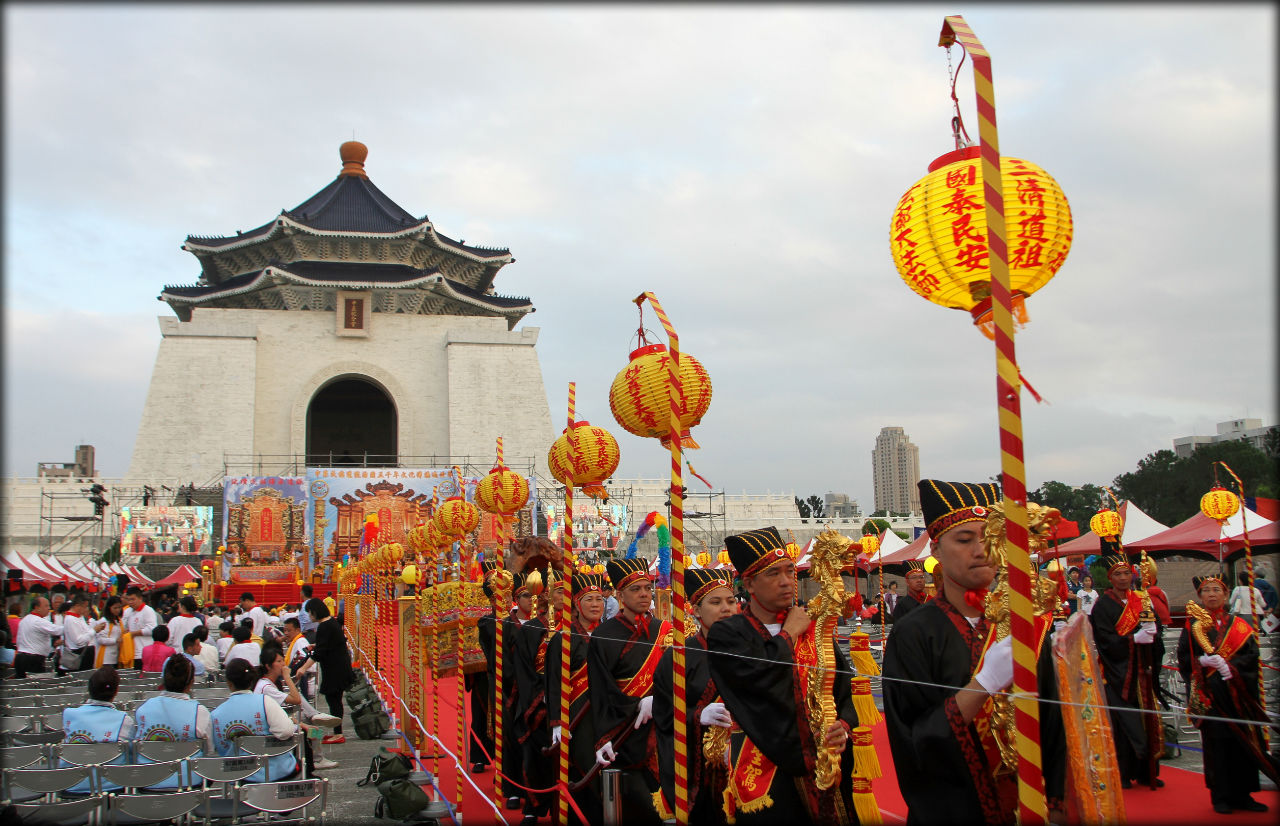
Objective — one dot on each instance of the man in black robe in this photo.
(529, 652)
(915, 595)
(479, 685)
(621, 662)
(589, 604)
(512, 754)
(1222, 681)
(937, 698)
(759, 660)
(710, 599)
(1130, 650)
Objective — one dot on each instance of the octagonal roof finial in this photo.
(353, 154)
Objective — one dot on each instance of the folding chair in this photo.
(261, 746)
(28, 738)
(166, 751)
(91, 755)
(287, 802)
(63, 813)
(21, 757)
(154, 808)
(51, 721)
(227, 772)
(27, 785)
(135, 778)
(15, 725)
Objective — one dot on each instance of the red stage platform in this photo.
(270, 594)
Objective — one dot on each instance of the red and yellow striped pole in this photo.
(677, 566)
(496, 689)
(1031, 802)
(459, 763)
(1253, 605)
(566, 623)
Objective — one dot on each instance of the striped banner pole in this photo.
(495, 705)
(1253, 604)
(566, 621)
(1032, 808)
(459, 762)
(677, 564)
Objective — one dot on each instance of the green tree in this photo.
(876, 526)
(1169, 487)
(817, 506)
(803, 507)
(1077, 504)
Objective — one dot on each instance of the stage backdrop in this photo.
(267, 521)
(165, 529)
(401, 497)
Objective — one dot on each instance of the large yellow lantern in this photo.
(1219, 503)
(456, 517)
(502, 491)
(870, 544)
(938, 234)
(1106, 524)
(704, 559)
(598, 568)
(640, 397)
(723, 557)
(595, 458)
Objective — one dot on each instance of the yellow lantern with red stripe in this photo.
(640, 397)
(1106, 524)
(938, 234)
(723, 557)
(870, 544)
(456, 517)
(502, 491)
(704, 559)
(598, 568)
(584, 457)
(1219, 504)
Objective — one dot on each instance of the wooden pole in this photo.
(1032, 808)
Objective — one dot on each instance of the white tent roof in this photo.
(1137, 525)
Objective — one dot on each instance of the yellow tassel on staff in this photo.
(863, 704)
(860, 654)
(864, 802)
(865, 762)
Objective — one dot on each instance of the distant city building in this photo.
(841, 506)
(1235, 430)
(895, 465)
(81, 468)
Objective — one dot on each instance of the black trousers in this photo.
(24, 664)
(334, 698)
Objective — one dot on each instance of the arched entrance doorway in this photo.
(351, 421)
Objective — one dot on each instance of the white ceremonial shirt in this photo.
(180, 626)
(35, 635)
(144, 622)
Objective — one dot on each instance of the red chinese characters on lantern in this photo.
(917, 273)
(971, 245)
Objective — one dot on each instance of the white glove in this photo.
(605, 755)
(715, 714)
(1145, 634)
(555, 736)
(997, 667)
(1058, 625)
(1217, 663)
(645, 714)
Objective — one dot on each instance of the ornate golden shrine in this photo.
(399, 510)
(267, 528)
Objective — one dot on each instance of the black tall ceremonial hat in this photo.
(753, 551)
(698, 582)
(623, 572)
(1112, 553)
(586, 583)
(915, 565)
(519, 582)
(489, 564)
(1197, 581)
(947, 504)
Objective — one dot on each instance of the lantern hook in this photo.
(957, 121)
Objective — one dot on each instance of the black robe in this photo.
(618, 651)
(479, 685)
(943, 771)
(1233, 754)
(755, 672)
(582, 741)
(1127, 667)
(512, 755)
(530, 712)
(706, 782)
(906, 604)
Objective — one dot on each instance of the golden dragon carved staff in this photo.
(831, 553)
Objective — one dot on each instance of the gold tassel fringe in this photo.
(660, 805)
(860, 654)
(863, 703)
(864, 803)
(866, 763)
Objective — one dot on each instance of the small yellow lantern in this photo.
(502, 491)
(930, 564)
(704, 559)
(595, 458)
(1219, 504)
(456, 517)
(640, 397)
(723, 557)
(598, 568)
(870, 544)
(1106, 524)
(938, 234)
(409, 576)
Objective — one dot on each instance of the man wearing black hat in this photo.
(480, 684)
(512, 752)
(915, 595)
(621, 662)
(588, 610)
(529, 661)
(760, 660)
(1130, 650)
(1218, 658)
(941, 669)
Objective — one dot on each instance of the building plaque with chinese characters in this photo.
(353, 313)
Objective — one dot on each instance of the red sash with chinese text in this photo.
(752, 776)
(641, 683)
(577, 684)
(1235, 638)
(1128, 620)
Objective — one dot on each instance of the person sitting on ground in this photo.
(225, 639)
(243, 648)
(191, 652)
(98, 721)
(174, 716)
(155, 655)
(274, 671)
(247, 713)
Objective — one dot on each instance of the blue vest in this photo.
(169, 719)
(242, 714)
(93, 724)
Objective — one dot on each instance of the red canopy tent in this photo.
(1266, 535)
(1201, 534)
(1137, 525)
(184, 573)
(32, 571)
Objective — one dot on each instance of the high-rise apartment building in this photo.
(895, 466)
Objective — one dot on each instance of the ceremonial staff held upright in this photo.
(566, 622)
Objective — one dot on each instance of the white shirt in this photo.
(259, 618)
(144, 622)
(224, 645)
(212, 622)
(1240, 600)
(208, 655)
(277, 719)
(270, 689)
(108, 639)
(76, 633)
(35, 635)
(774, 628)
(250, 651)
(180, 626)
(1088, 599)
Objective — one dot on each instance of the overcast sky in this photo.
(741, 162)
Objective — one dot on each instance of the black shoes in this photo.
(1222, 808)
(1249, 805)
(477, 768)
(514, 803)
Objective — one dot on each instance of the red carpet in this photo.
(1184, 798)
